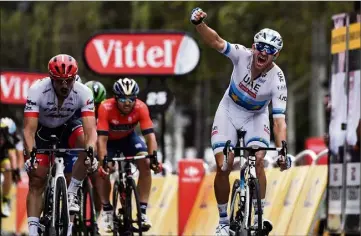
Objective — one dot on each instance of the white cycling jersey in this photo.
(42, 102)
(245, 102)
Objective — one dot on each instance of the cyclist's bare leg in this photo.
(261, 174)
(34, 199)
(5, 164)
(79, 169)
(103, 188)
(221, 181)
(145, 180)
(97, 201)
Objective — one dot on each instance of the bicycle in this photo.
(56, 218)
(85, 221)
(123, 188)
(245, 188)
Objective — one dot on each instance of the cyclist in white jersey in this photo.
(256, 81)
(50, 105)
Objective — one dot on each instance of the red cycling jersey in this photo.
(116, 125)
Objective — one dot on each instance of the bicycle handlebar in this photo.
(254, 148)
(34, 151)
(153, 159)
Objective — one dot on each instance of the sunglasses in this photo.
(67, 82)
(270, 50)
(126, 99)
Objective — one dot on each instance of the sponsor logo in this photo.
(191, 175)
(90, 101)
(280, 77)
(122, 127)
(50, 103)
(281, 87)
(14, 86)
(141, 54)
(214, 130)
(28, 108)
(283, 97)
(191, 171)
(262, 81)
(266, 129)
(115, 122)
(31, 103)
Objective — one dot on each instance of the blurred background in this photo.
(33, 32)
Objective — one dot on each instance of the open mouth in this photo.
(261, 60)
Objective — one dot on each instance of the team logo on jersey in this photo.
(130, 119)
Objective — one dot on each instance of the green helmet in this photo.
(98, 90)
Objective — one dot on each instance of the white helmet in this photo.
(270, 37)
(125, 87)
(8, 122)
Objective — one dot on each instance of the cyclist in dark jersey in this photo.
(8, 162)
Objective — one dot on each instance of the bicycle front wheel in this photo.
(254, 192)
(89, 215)
(236, 214)
(133, 223)
(61, 219)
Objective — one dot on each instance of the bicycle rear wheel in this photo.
(254, 192)
(128, 220)
(61, 208)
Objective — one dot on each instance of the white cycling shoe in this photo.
(222, 230)
(73, 203)
(107, 221)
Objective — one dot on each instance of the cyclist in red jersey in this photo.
(117, 119)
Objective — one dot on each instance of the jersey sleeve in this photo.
(146, 124)
(87, 106)
(103, 124)
(233, 51)
(279, 96)
(32, 102)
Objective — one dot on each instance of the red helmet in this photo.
(62, 66)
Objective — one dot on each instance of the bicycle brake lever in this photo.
(226, 147)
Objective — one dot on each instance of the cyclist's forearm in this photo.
(102, 147)
(151, 142)
(280, 132)
(90, 137)
(29, 140)
(210, 37)
(12, 158)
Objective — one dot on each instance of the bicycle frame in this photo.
(247, 174)
(59, 173)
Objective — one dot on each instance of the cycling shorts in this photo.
(229, 118)
(130, 145)
(67, 135)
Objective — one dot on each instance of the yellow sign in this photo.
(286, 210)
(338, 38)
(308, 201)
(277, 185)
(166, 218)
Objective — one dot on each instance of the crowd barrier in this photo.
(186, 205)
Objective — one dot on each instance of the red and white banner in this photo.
(191, 173)
(145, 53)
(14, 86)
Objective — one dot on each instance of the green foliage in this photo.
(29, 39)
